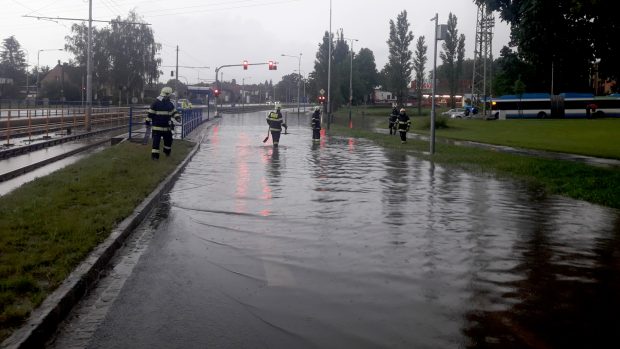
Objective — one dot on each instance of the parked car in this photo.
(456, 113)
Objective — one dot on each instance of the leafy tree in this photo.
(133, 52)
(398, 69)
(365, 75)
(318, 76)
(77, 43)
(419, 65)
(452, 56)
(565, 36)
(124, 55)
(12, 66)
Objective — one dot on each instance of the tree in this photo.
(318, 76)
(101, 62)
(563, 36)
(12, 66)
(452, 56)
(398, 69)
(365, 75)
(134, 54)
(124, 55)
(419, 65)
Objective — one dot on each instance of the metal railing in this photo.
(190, 120)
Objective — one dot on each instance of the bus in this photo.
(562, 106)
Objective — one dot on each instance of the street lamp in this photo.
(38, 67)
(440, 31)
(299, 80)
(351, 79)
(329, 69)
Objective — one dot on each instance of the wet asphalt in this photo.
(344, 244)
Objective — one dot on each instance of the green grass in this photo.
(576, 180)
(48, 226)
(598, 137)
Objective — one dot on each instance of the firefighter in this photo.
(404, 123)
(393, 118)
(316, 124)
(159, 118)
(276, 122)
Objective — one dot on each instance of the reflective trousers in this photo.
(157, 135)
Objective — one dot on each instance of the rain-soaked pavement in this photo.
(347, 245)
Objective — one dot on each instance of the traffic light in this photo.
(245, 65)
(321, 99)
(272, 65)
(216, 92)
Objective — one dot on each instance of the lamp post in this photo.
(439, 35)
(351, 78)
(38, 68)
(299, 80)
(329, 69)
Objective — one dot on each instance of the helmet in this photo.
(166, 91)
(402, 110)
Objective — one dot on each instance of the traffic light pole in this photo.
(217, 81)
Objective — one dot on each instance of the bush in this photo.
(440, 122)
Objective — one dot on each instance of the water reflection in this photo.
(365, 247)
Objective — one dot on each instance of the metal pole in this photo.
(36, 94)
(329, 69)
(89, 68)
(436, 19)
(298, 83)
(176, 80)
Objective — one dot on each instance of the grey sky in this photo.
(217, 32)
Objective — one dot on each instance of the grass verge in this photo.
(596, 137)
(49, 225)
(593, 184)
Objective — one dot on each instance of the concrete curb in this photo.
(44, 320)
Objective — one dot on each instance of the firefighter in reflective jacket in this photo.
(276, 122)
(316, 124)
(160, 118)
(404, 123)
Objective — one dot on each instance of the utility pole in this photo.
(329, 69)
(89, 69)
(176, 79)
(351, 79)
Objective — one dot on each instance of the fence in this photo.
(190, 120)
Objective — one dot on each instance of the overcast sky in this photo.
(218, 32)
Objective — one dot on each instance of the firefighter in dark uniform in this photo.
(316, 124)
(393, 118)
(160, 119)
(404, 123)
(276, 122)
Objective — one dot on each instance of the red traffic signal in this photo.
(272, 65)
(321, 99)
(245, 65)
(216, 92)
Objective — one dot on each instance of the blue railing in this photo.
(191, 119)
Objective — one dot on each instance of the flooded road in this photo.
(344, 244)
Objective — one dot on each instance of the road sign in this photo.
(322, 91)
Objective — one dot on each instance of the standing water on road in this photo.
(344, 244)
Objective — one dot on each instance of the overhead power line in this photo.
(83, 20)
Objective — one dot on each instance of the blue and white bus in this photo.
(563, 106)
